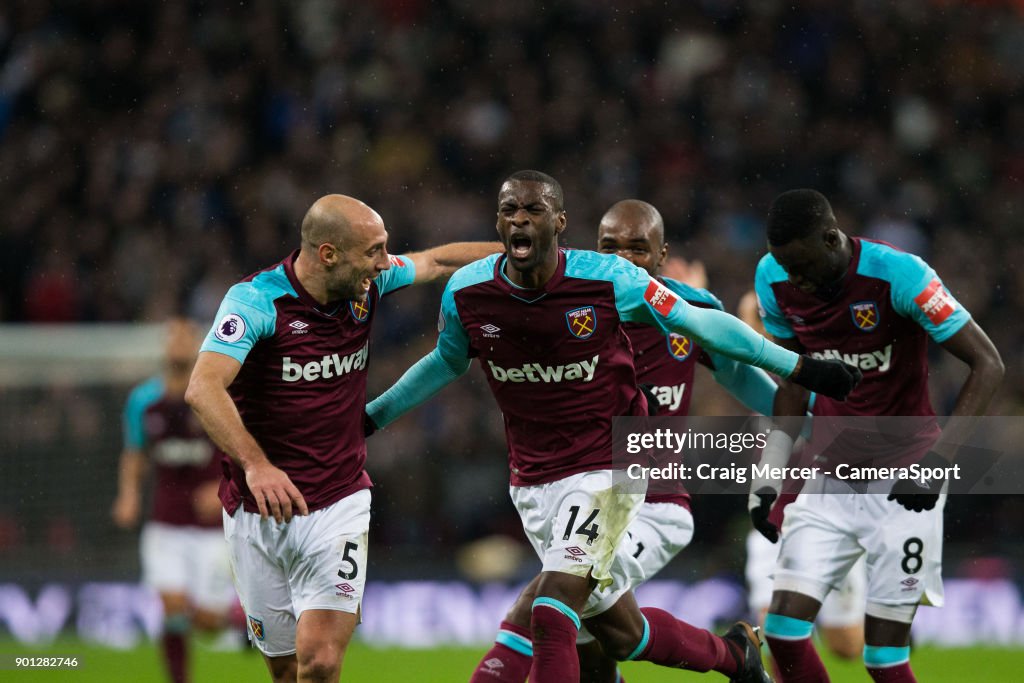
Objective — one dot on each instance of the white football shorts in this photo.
(842, 607)
(830, 526)
(577, 526)
(190, 560)
(312, 562)
(659, 532)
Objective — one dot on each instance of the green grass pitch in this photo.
(445, 665)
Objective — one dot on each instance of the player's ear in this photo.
(328, 254)
(831, 238)
(662, 255)
(560, 223)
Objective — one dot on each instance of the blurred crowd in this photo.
(151, 154)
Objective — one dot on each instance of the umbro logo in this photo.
(575, 553)
(345, 589)
(298, 327)
(494, 663)
(490, 330)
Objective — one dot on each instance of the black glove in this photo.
(759, 505)
(653, 405)
(369, 426)
(920, 494)
(832, 378)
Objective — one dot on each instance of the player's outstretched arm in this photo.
(428, 376)
(730, 336)
(441, 262)
(208, 396)
(749, 385)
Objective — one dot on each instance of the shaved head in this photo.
(344, 247)
(333, 218)
(635, 231)
(642, 218)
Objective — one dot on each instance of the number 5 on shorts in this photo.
(347, 558)
(584, 530)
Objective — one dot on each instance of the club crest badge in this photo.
(360, 310)
(679, 346)
(581, 321)
(865, 315)
(256, 626)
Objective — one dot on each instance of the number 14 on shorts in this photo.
(588, 528)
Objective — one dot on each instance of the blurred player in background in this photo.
(824, 293)
(841, 619)
(183, 552)
(666, 366)
(280, 386)
(547, 327)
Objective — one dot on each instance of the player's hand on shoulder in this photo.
(276, 496)
(917, 495)
(759, 504)
(832, 378)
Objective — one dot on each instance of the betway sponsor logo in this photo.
(325, 368)
(535, 372)
(670, 397)
(873, 360)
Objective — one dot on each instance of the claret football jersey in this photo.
(183, 458)
(889, 303)
(557, 358)
(302, 386)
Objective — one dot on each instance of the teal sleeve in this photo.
(918, 293)
(428, 376)
(751, 386)
(439, 368)
(244, 318)
(132, 420)
(401, 274)
(775, 323)
(640, 298)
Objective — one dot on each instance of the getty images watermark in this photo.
(723, 454)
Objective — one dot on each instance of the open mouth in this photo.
(520, 246)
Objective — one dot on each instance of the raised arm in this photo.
(441, 262)
(208, 396)
(730, 336)
(749, 385)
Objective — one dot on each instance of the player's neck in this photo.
(312, 280)
(536, 277)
